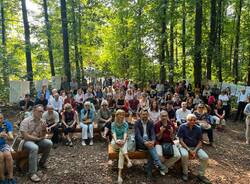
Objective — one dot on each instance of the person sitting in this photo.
(204, 121)
(144, 102)
(33, 130)
(154, 112)
(181, 114)
(111, 102)
(104, 119)
(121, 103)
(219, 116)
(170, 110)
(44, 91)
(79, 100)
(26, 104)
(119, 129)
(247, 113)
(87, 119)
(57, 103)
(177, 101)
(145, 140)
(51, 117)
(70, 100)
(69, 122)
(6, 161)
(165, 133)
(190, 136)
(42, 101)
(133, 107)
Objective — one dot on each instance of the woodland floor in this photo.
(229, 163)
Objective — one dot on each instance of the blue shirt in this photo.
(119, 130)
(191, 137)
(7, 127)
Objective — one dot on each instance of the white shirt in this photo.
(182, 115)
(154, 116)
(57, 105)
(79, 98)
(51, 118)
(224, 99)
(242, 97)
(144, 125)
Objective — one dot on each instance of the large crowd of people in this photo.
(169, 122)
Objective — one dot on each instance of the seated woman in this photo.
(121, 103)
(219, 116)
(87, 119)
(165, 133)
(119, 130)
(79, 100)
(104, 119)
(69, 99)
(154, 112)
(69, 121)
(203, 120)
(6, 161)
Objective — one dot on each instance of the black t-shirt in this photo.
(30, 104)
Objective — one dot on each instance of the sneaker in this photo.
(35, 178)
(42, 166)
(91, 143)
(120, 180)
(247, 142)
(162, 169)
(83, 143)
(203, 179)
(70, 144)
(55, 146)
(129, 164)
(184, 177)
(67, 143)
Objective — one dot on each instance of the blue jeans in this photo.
(153, 160)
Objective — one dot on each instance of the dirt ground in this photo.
(229, 163)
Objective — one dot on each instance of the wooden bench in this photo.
(132, 155)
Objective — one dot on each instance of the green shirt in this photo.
(119, 129)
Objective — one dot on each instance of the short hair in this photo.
(87, 103)
(144, 110)
(50, 106)
(163, 112)
(104, 102)
(170, 102)
(37, 106)
(191, 116)
(67, 106)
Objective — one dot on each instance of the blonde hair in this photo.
(191, 116)
(119, 111)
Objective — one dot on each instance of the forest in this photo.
(136, 39)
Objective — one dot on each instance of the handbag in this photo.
(167, 149)
(131, 143)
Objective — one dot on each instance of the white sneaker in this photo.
(247, 142)
(119, 180)
(91, 143)
(83, 143)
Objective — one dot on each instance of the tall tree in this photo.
(197, 46)
(163, 41)
(67, 70)
(237, 41)
(27, 44)
(5, 62)
(75, 38)
(48, 33)
(184, 39)
(218, 41)
(212, 38)
(171, 59)
(80, 37)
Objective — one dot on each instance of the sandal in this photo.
(35, 178)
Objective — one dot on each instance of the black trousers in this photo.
(209, 133)
(240, 111)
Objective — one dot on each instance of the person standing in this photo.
(247, 113)
(242, 102)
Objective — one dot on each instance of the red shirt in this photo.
(166, 134)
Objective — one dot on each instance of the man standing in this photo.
(33, 130)
(242, 102)
(190, 136)
(145, 140)
(51, 118)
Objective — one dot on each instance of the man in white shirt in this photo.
(181, 114)
(51, 118)
(57, 103)
(242, 102)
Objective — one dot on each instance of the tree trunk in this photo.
(218, 42)
(65, 40)
(176, 48)
(231, 48)
(80, 38)
(27, 45)
(212, 38)
(171, 59)
(5, 62)
(184, 39)
(248, 76)
(48, 28)
(236, 47)
(75, 36)
(197, 46)
(163, 43)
